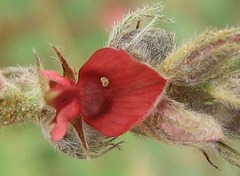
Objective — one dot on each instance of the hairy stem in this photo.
(20, 97)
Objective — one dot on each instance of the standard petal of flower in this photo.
(61, 120)
(117, 92)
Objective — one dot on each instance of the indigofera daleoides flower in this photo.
(139, 82)
(113, 94)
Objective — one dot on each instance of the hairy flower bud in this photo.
(151, 48)
(202, 59)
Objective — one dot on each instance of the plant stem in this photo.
(20, 97)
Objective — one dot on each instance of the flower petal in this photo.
(116, 91)
(54, 76)
(60, 96)
(60, 122)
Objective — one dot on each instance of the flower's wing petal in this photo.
(117, 91)
(62, 93)
(60, 96)
(54, 76)
(60, 122)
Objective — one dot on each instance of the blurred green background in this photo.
(80, 27)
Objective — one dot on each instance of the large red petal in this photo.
(130, 92)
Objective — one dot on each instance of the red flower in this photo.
(113, 93)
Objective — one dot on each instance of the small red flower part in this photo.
(114, 92)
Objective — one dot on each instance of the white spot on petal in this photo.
(104, 81)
